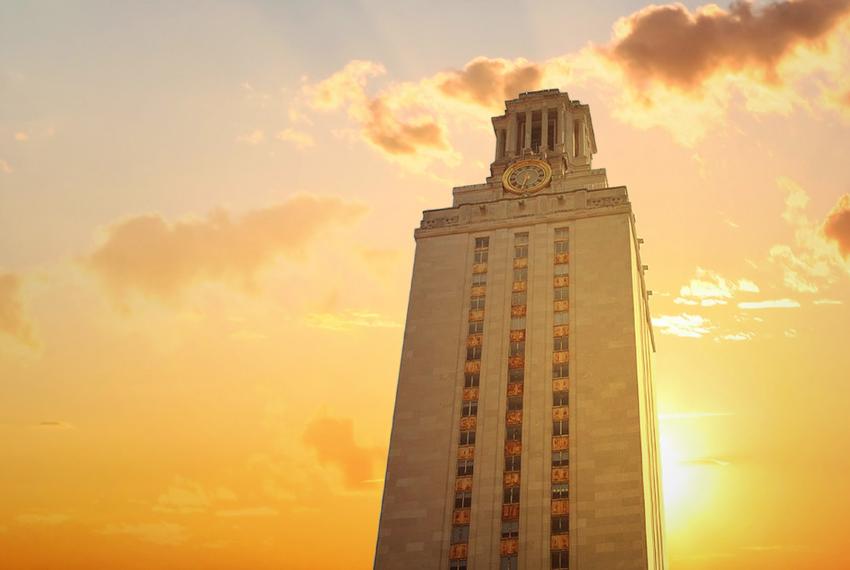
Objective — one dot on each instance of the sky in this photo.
(206, 242)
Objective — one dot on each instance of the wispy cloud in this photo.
(42, 519)
(254, 137)
(348, 320)
(247, 512)
(185, 496)
(770, 304)
(684, 325)
(13, 320)
(333, 441)
(709, 289)
(164, 533)
(300, 139)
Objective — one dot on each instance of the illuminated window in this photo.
(479, 279)
(464, 467)
(469, 408)
(562, 247)
(560, 491)
(562, 269)
(562, 293)
(517, 323)
(518, 298)
(562, 318)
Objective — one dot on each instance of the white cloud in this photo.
(709, 289)
(739, 336)
(684, 325)
(828, 302)
(770, 304)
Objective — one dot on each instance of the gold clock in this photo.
(527, 176)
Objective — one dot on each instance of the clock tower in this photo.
(525, 434)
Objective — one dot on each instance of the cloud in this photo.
(684, 325)
(186, 496)
(489, 82)
(248, 512)
(675, 46)
(738, 336)
(300, 139)
(333, 441)
(13, 320)
(828, 302)
(709, 289)
(815, 258)
(770, 304)
(254, 137)
(347, 320)
(42, 519)
(836, 227)
(153, 256)
(164, 533)
(22, 136)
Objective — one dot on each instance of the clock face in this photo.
(527, 176)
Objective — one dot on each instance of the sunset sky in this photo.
(206, 241)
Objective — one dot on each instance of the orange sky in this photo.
(206, 243)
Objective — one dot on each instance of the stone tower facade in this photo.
(525, 433)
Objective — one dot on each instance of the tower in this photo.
(524, 433)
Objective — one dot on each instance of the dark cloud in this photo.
(333, 441)
(397, 137)
(837, 225)
(153, 256)
(680, 48)
(489, 82)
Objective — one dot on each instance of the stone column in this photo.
(527, 143)
(544, 126)
(511, 142)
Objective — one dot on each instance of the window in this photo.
(471, 380)
(562, 246)
(560, 427)
(516, 375)
(560, 491)
(560, 525)
(517, 348)
(460, 533)
(463, 500)
(521, 274)
(561, 343)
(509, 563)
(481, 256)
(562, 318)
(514, 403)
(518, 298)
(511, 495)
(560, 458)
(561, 269)
(467, 438)
(510, 529)
(482, 243)
(560, 370)
(561, 233)
(476, 327)
(521, 239)
(476, 303)
(457, 565)
(520, 251)
(473, 353)
(517, 323)
(513, 433)
(560, 560)
(562, 293)
(513, 463)
(560, 399)
(469, 408)
(479, 279)
(464, 467)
